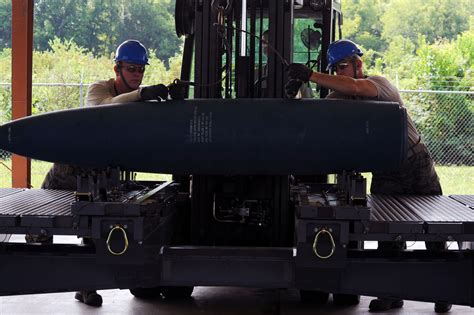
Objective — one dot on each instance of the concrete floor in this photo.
(204, 301)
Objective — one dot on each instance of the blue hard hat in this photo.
(340, 50)
(132, 51)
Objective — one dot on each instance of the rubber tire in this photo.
(314, 297)
(146, 293)
(177, 293)
(345, 299)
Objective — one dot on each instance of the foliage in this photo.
(362, 22)
(423, 44)
(455, 180)
(99, 26)
(66, 63)
(445, 119)
(5, 105)
(5, 23)
(389, 30)
(432, 18)
(417, 44)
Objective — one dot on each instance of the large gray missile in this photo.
(226, 137)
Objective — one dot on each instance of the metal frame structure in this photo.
(22, 60)
(270, 231)
(322, 258)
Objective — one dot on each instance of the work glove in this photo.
(298, 71)
(292, 87)
(154, 92)
(177, 90)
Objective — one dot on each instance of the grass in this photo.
(455, 180)
(40, 168)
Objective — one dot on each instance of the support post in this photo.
(22, 46)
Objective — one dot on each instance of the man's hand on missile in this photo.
(292, 87)
(177, 90)
(298, 71)
(154, 92)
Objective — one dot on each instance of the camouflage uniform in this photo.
(64, 177)
(61, 176)
(417, 175)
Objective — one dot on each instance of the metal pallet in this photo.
(27, 210)
(423, 217)
(420, 208)
(23, 209)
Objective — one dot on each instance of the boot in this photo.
(384, 304)
(441, 307)
(89, 297)
(43, 239)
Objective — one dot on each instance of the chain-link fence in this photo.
(446, 121)
(444, 118)
(46, 97)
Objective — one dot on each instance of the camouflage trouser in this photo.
(61, 176)
(416, 176)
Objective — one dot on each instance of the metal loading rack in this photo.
(57, 212)
(30, 210)
(26, 210)
(428, 218)
(149, 261)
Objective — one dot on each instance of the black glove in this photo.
(292, 88)
(298, 71)
(177, 90)
(154, 92)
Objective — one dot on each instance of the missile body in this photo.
(221, 137)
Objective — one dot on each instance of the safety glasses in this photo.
(340, 66)
(133, 68)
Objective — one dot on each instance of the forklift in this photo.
(250, 203)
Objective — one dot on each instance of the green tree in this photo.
(363, 24)
(152, 23)
(5, 23)
(66, 62)
(398, 60)
(432, 18)
(101, 25)
(446, 120)
(5, 91)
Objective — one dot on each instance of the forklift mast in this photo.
(225, 37)
(241, 49)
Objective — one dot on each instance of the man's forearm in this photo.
(345, 85)
(97, 97)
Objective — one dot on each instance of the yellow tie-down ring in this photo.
(322, 231)
(125, 238)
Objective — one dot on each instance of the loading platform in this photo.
(151, 260)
